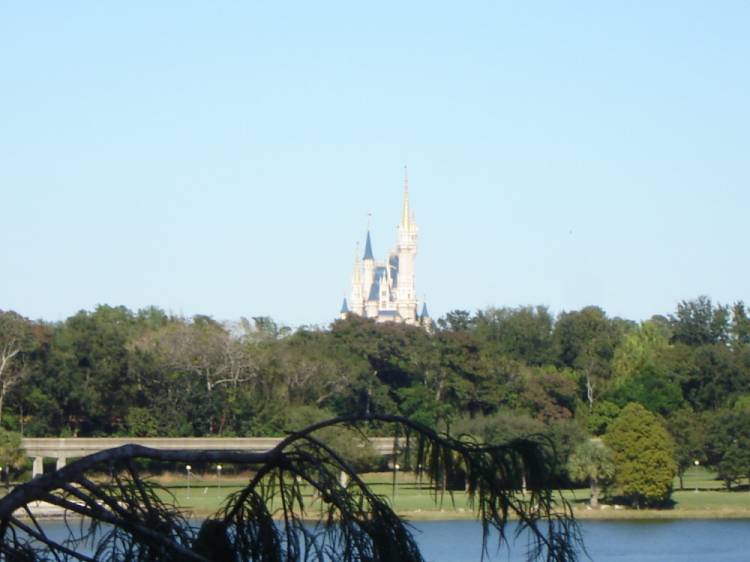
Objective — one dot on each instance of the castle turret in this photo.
(424, 318)
(368, 269)
(344, 312)
(358, 295)
(406, 298)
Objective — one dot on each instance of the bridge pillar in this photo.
(37, 468)
(60, 462)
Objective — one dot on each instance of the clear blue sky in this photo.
(222, 157)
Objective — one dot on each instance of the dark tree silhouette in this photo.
(269, 520)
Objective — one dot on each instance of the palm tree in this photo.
(592, 461)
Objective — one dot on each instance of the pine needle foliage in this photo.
(273, 518)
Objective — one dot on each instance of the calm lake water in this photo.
(606, 541)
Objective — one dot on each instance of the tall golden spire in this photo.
(406, 213)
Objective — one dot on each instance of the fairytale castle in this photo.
(385, 290)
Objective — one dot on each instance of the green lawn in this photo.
(417, 501)
(205, 496)
(703, 496)
(702, 491)
(700, 478)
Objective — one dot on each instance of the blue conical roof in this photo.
(368, 248)
(344, 306)
(424, 314)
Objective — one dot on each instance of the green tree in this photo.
(643, 454)
(471, 381)
(585, 341)
(266, 328)
(11, 454)
(601, 415)
(523, 333)
(388, 348)
(688, 429)
(700, 322)
(499, 427)
(592, 461)
(88, 372)
(560, 437)
(456, 321)
(549, 394)
(729, 445)
(651, 388)
(712, 375)
(740, 327)
(640, 349)
(418, 403)
(141, 423)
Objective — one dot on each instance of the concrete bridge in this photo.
(64, 448)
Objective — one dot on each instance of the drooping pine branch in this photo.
(269, 520)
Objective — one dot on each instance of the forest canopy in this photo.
(498, 373)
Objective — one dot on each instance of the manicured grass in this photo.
(711, 499)
(699, 478)
(205, 496)
(702, 491)
(703, 496)
(416, 501)
(200, 499)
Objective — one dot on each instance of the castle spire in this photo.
(406, 213)
(368, 247)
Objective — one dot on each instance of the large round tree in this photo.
(643, 454)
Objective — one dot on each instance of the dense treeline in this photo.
(496, 374)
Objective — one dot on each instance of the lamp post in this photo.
(187, 469)
(696, 462)
(218, 477)
(395, 481)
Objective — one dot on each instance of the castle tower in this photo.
(384, 299)
(406, 249)
(386, 290)
(357, 296)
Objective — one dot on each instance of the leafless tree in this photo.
(15, 338)
(204, 348)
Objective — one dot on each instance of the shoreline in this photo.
(701, 499)
(597, 515)
(419, 516)
(44, 511)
